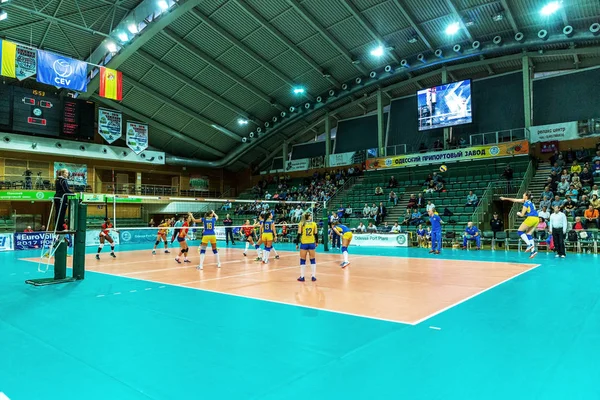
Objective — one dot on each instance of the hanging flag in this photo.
(8, 56)
(137, 136)
(25, 62)
(110, 124)
(59, 71)
(111, 84)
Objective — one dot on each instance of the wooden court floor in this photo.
(398, 289)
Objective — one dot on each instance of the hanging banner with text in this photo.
(342, 159)
(6, 242)
(26, 195)
(317, 162)
(137, 136)
(110, 124)
(25, 63)
(548, 133)
(440, 157)
(301, 164)
(380, 240)
(77, 173)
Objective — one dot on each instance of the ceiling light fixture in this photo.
(163, 4)
(550, 8)
(111, 46)
(453, 28)
(123, 37)
(242, 121)
(3, 15)
(299, 90)
(377, 51)
(132, 28)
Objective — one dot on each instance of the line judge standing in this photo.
(558, 229)
(62, 188)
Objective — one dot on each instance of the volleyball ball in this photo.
(443, 168)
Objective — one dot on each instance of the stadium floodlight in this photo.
(3, 15)
(111, 46)
(132, 28)
(299, 90)
(453, 28)
(123, 37)
(377, 51)
(163, 4)
(550, 8)
(242, 121)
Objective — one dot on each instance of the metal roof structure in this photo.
(201, 65)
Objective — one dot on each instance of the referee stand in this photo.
(77, 229)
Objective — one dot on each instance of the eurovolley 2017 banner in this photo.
(137, 136)
(110, 124)
(439, 157)
(61, 71)
(77, 172)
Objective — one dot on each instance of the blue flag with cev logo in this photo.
(60, 71)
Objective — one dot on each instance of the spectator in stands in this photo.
(381, 212)
(412, 201)
(581, 155)
(393, 198)
(547, 193)
(28, 230)
(333, 218)
(583, 204)
(361, 228)
(437, 177)
(407, 217)
(558, 230)
(578, 225)
(366, 211)
(546, 202)
(395, 228)
(378, 191)
(553, 180)
(438, 145)
(371, 228)
(497, 225)
(591, 216)
(565, 174)
(43, 228)
(508, 175)
(541, 230)
(393, 183)
(586, 178)
(462, 142)
(351, 171)
(596, 157)
(471, 233)
(297, 214)
(340, 213)
(558, 202)
(385, 228)
(151, 224)
(415, 217)
(575, 167)
(374, 212)
(560, 161)
(576, 183)
(596, 168)
(422, 148)
(563, 186)
(420, 201)
(595, 201)
(556, 168)
(452, 142)
(570, 207)
(349, 211)
(543, 213)
(572, 193)
(267, 195)
(439, 186)
(472, 199)
(430, 187)
(429, 205)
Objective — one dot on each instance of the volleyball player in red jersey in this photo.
(181, 238)
(248, 234)
(105, 236)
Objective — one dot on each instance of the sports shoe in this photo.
(113, 255)
(186, 261)
(431, 251)
(258, 259)
(178, 262)
(437, 252)
(533, 254)
(153, 252)
(218, 265)
(529, 248)
(301, 279)
(562, 256)
(167, 252)
(200, 267)
(313, 279)
(277, 257)
(244, 254)
(345, 264)
(97, 256)
(556, 256)
(463, 248)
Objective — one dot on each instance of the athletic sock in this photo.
(302, 268)
(313, 266)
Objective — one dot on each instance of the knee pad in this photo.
(520, 233)
(157, 242)
(256, 246)
(215, 251)
(202, 251)
(101, 245)
(344, 248)
(302, 261)
(313, 260)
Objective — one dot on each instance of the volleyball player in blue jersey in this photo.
(346, 235)
(530, 223)
(208, 236)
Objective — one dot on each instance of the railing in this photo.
(485, 201)
(476, 139)
(347, 184)
(512, 216)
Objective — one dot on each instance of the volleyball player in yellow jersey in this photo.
(163, 227)
(308, 239)
(532, 219)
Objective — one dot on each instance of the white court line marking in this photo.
(148, 288)
(473, 295)
(132, 291)
(3, 396)
(117, 293)
(435, 328)
(100, 295)
(267, 300)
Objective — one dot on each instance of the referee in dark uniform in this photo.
(61, 201)
(228, 222)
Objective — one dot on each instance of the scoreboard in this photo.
(36, 112)
(78, 119)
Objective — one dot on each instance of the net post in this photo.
(60, 260)
(325, 227)
(79, 240)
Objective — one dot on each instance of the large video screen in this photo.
(445, 105)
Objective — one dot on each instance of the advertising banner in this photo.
(199, 182)
(94, 198)
(110, 124)
(560, 132)
(61, 71)
(92, 237)
(25, 195)
(33, 240)
(302, 164)
(138, 236)
(137, 136)
(377, 240)
(317, 162)
(6, 242)
(446, 156)
(25, 62)
(77, 172)
(342, 159)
